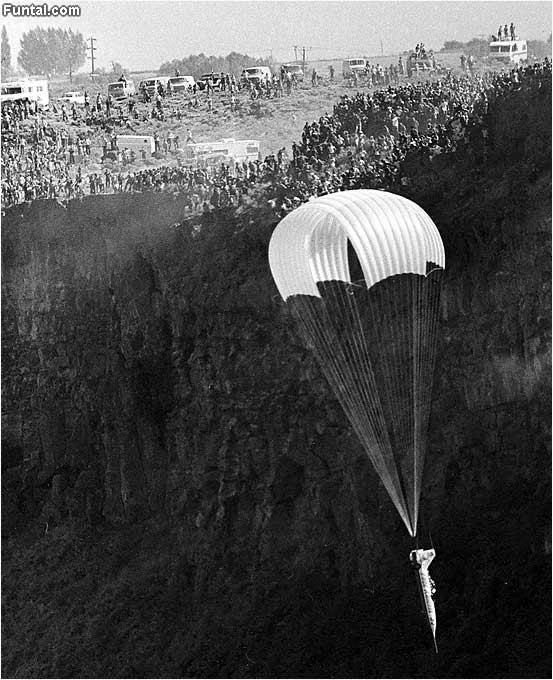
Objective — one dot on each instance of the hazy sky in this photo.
(142, 34)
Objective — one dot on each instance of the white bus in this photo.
(26, 89)
(509, 51)
(229, 150)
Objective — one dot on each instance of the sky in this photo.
(142, 34)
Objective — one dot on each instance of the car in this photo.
(73, 98)
(215, 80)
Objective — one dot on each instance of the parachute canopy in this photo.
(361, 272)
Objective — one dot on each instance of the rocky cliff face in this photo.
(191, 498)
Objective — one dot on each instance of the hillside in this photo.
(182, 496)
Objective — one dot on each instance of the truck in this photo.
(355, 66)
(421, 63)
(121, 89)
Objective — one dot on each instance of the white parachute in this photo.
(372, 330)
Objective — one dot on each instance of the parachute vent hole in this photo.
(355, 270)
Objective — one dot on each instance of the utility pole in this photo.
(92, 50)
(295, 52)
(483, 49)
(303, 60)
(381, 48)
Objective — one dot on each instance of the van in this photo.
(354, 66)
(295, 70)
(151, 85)
(121, 89)
(213, 78)
(136, 143)
(256, 74)
(182, 83)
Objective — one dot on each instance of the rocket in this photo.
(421, 559)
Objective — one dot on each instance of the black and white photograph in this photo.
(276, 339)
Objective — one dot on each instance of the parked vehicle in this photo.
(73, 98)
(182, 83)
(121, 89)
(295, 70)
(509, 51)
(210, 154)
(213, 77)
(256, 74)
(136, 143)
(357, 66)
(26, 89)
(151, 85)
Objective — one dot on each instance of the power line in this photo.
(304, 50)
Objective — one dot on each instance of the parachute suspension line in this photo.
(416, 291)
(314, 334)
(375, 437)
(386, 334)
(364, 378)
(430, 300)
(342, 352)
(376, 348)
(366, 383)
(322, 337)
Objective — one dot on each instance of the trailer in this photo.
(27, 89)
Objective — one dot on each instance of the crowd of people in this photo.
(363, 143)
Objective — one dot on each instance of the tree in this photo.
(6, 54)
(452, 45)
(118, 69)
(198, 64)
(51, 51)
(74, 51)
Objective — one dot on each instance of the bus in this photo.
(508, 51)
(26, 89)
(229, 150)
